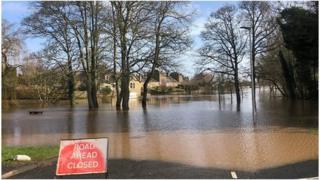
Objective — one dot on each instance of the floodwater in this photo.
(193, 130)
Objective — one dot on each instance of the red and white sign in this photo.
(82, 156)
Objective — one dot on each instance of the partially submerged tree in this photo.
(114, 34)
(299, 29)
(86, 22)
(76, 27)
(259, 18)
(131, 21)
(169, 31)
(275, 70)
(224, 45)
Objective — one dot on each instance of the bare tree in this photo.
(45, 82)
(131, 21)
(115, 77)
(224, 46)
(169, 37)
(85, 19)
(258, 16)
(77, 27)
(11, 45)
(48, 21)
(112, 40)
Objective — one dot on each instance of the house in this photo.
(203, 82)
(161, 79)
(178, 77)
(107, 80)
(135, 86)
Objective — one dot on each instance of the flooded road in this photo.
(192, 130)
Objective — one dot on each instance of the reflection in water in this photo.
(187, 129)
(70, 123)
(91, 122)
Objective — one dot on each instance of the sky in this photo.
(15, 11)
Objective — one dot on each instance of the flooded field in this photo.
(193, 130)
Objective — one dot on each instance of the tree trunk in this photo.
(144, 94)
(231, 93)
(253, 53)
(236, 83)
(289, 79)
(145, 86)
(219, 94)
(94, 38)
(92, 90)
(94, 94)
(71, 90)
(154, 64)
(119, 96)
(89, 93)
(125, 75)
(70, 83)
(5, 63)
(238, 96)
(125, 91)
(115, 78)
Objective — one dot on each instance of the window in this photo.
(132, 85)
(107, 77)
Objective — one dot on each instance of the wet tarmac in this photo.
(150, 169)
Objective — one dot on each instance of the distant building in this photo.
(203, 82)
(135, 86)
(179, 77)
(159, 79)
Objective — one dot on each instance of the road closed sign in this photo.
(82, 156)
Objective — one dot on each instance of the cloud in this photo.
(187, 62)
(197, 26)
(198, 21)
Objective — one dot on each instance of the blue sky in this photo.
(15, 11)
(204, 9)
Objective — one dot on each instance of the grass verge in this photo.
(37, 153)
(313, 130)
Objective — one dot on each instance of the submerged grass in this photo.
(313, 130)
(37, 153)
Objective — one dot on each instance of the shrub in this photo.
(82, 86)
(106, 90)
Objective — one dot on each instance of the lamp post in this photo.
(251, 68)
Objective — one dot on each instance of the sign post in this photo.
(83, 156)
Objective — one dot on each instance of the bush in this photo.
(26, 93)
(177, 90)
(161, 90)
(82, 86)
(106, 90)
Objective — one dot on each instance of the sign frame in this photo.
(83, 139)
